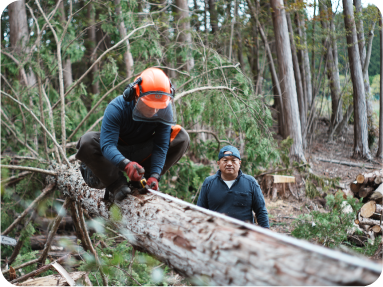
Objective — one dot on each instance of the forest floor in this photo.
(282, 212)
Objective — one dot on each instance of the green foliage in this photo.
(330, 228)
(314, 181)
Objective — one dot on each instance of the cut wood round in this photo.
(356, 221)
(365, 191)
(368, 209)
(378, 180)
(197, 242)
(360, 178)
(355, 186)
(377, 229)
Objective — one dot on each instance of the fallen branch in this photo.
(21, 266)
(40, 270)
(34, 169)
(45, 191)
(15, 178)
(279, 170)
(346, 163)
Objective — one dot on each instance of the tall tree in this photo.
(332, 65)
(238, 36)
(67, 65)
(292, 123)
(92, 47)
(213, 16)
(297, 77)
(128, 59)
(360, 114)
(19, 35)
(183, 20)
(379, 154)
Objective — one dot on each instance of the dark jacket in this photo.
(118, 122)
(239, 201)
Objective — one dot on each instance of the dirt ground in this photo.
(284, 210)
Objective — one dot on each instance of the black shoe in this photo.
(122, 192)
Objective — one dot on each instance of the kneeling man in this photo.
(232, 192)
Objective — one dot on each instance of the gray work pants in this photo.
(99, 172)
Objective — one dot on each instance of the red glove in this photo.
(152, 183)
(134, 171)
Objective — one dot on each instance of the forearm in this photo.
(263, 217)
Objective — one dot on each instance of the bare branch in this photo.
(34, 116)
(23, 74)
(21, 266)
(15, 178)
(17, 167)
(201, 89)
(45, 191)
(209, 132)
(99, 58)
(95, 124)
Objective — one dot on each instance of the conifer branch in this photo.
(34, 116)
(99, 58)
(45, 191)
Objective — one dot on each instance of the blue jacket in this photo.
(118, 122)
(239, 201)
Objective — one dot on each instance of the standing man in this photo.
(138, 137)
(232, 192)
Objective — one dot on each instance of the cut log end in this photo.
(368, 209)
(360, 178)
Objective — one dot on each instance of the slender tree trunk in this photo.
(185, 39)
(128, 59)
(197, 22)
(298, 78)
(213, 16)
(313, 52)
(380, 144)
(360, 114)
(239, 37)
(305, 60)
(19, 36)
(362, 52)
(332, 69)
(67, 65)
(195, 241)
(92, 48)
(292, 123)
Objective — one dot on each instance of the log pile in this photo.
(368, 186)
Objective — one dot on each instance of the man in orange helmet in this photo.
(138, 136)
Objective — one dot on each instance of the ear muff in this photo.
(172, 90)
(130, 90)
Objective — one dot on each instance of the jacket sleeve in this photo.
(160, 147)
(259, 206)
(110, 130)
(202, 198)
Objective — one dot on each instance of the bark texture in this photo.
(292, 123)
(92, 43)
(197, 242)
(360, 114)
(380, 144)
(213, 16)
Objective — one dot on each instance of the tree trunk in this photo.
(213, 16)
(92, 49)
(292, 123)
(198, 242)
(332, 67)
(67, 65)
(379, 154)
(239, 38)
(362, 52)
(185, 39)
(19, 36)
(305, 59)
(298, 78)
(128, 59)
(360, 114)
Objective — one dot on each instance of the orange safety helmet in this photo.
(155, 88)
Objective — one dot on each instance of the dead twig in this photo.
(77, 224)
(34, 169)
(45, 191)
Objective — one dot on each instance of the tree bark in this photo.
(198, 242)
(360, 114)
(292, 123)
(19, 36)
(183, 19)
(67, 65)
(298, 78)
(128, 59)
(213, 16)
(95, 85)
(379, 154)
(239, 38)
(362, 52)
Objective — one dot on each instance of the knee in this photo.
(87, 144)
(181, 141)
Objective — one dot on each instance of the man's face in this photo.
(146, 110)
(229, 165)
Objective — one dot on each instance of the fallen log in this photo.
(54, 280)
(38, 241)
(198, 242)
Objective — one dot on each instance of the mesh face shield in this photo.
(147, 110)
